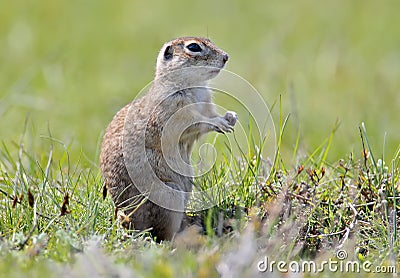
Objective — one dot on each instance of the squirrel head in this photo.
(190, 60)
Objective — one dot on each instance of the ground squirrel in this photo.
(145, 154)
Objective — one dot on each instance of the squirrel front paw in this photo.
(221, 125)
(225, 123)
(231, 117)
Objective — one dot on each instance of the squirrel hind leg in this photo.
(168, 222)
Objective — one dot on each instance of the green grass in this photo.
(55, 218)
(68, 66)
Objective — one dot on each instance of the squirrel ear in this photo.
(168, 52)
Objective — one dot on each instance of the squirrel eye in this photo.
(168, 52)
(194, 47)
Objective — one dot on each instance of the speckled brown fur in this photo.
(140, 125)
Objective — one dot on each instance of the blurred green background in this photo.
(68, 66)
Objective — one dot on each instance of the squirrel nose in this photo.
(225, 58)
